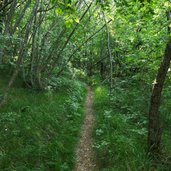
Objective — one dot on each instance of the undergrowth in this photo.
(39, 130)
(120, 131)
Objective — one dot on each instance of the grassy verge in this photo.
(39, 130)
(120, 131)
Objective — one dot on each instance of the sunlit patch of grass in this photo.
(100, 91)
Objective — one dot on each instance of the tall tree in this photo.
(155, 128)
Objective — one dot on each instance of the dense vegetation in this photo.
(121, 128)
(39, 130)
(50, 50)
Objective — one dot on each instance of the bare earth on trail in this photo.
(84, 152)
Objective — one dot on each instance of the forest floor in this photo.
(85, 160)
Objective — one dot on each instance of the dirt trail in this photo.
(84, 152)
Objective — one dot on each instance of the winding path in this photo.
(84, 152)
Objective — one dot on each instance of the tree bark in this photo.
(154, 131)
(155, 127)
(1, 17)
(109, 53)
(1, 26)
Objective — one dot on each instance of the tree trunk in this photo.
(110, 54)
(1, 17)
(154, 131)
(155, 128)
(1, 29)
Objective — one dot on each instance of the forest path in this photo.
(85, 160)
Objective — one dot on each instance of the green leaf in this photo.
(69, 23)
(76, 20)
(59, 11)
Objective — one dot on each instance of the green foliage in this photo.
(120, 131)
(39, 130)
(121, 127)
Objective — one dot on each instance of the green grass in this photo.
(39, 130)
(120, 131)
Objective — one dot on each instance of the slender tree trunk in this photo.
(22, 51)
(101, 62)
(110, 54)
(1, 26)
(1, 17)
(11, 81)
(155, 128)
(21, 16)
(78, 48)
(68, 39)
(154, 131)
